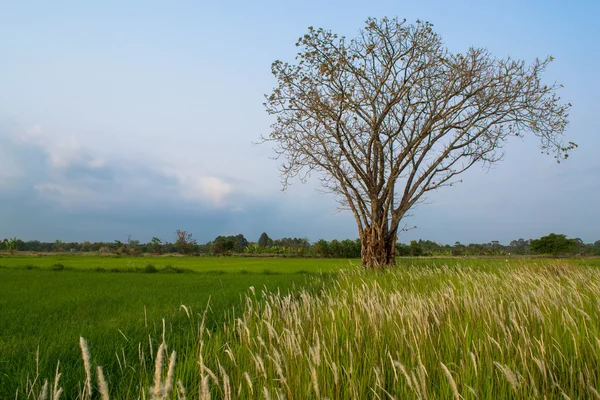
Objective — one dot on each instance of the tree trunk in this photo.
(378, 248)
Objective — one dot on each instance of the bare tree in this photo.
(185, 242)
(393, 114)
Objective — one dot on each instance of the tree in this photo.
(392, 115)
(157, 245)
(415, 249)
(321, 248)
(520, 246)
(229, 244)
(335, 249)
(11, 244)
(265, 240)
(185, 243)
(553, 244)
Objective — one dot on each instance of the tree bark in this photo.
(378, 248)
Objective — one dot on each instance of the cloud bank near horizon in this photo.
(54, 188)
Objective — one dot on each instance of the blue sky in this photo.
(140, 118)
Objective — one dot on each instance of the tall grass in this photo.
(525, 331)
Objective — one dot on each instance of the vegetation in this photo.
(470, 328)
(295, 247)
(185, 243)
(47, 302)
(553, 244)
(391, 115)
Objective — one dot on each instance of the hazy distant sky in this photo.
(138, 118)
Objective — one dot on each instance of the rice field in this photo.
(431, 328)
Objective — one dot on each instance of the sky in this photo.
(140, 118)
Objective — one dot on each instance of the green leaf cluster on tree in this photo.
(228, 244)
(554, 244)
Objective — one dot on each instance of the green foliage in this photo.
(157, 245)
(553, 244)
(228, 244)
(150, 269)
(287, 247)
(265, 240)
(415, 249)
(57, 267)
(520, 246)
(11, 245)
(321, 248)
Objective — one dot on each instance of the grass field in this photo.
(42, 305)
(480, 328)
(196, 264)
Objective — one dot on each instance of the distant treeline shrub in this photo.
(552, 244)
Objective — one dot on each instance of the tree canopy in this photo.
(553, 244)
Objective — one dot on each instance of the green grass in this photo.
(341, 332)
(196, 264)
(50, 301)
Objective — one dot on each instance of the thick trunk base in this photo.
(377, 251)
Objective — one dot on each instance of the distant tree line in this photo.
(184, 243)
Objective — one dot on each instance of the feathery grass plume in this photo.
(230, 355)
(211, 375)
(393, 367)
(315, 381)
(102, 385)
(204, 389)
(422, 372)
(226, 385)
(249, 382)
(509, 375)
(186, 310)
(181, 392)
(266, 393)
(405, 373)
(44, 394)
(473, 392)
(474, 363)
(85, 354)
(56, 390)
(334, 370)
(156, 389)
(168, 386)
(594, 392)
(564, 395)
(450, 380)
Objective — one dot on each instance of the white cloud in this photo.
(209, 188)
(62, 150)
(72, 175)
(216, 189)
